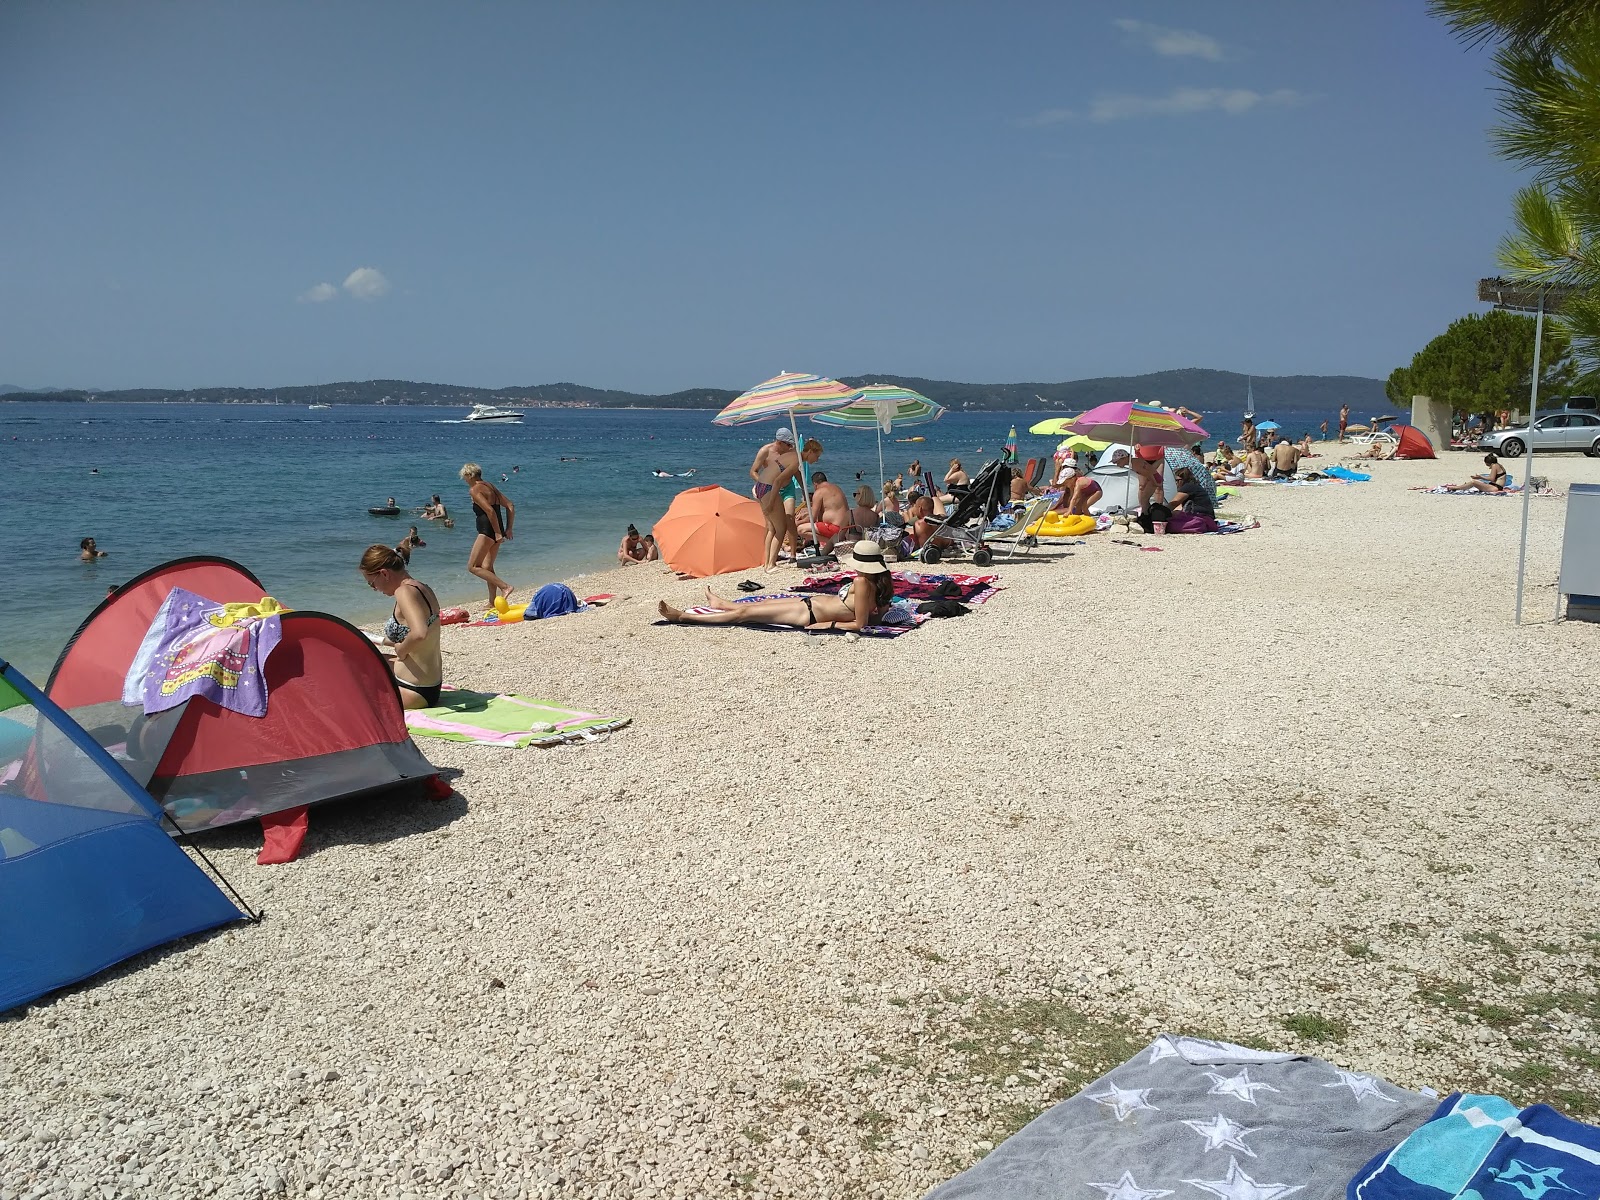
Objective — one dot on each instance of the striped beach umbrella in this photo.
(1137, 424)
(787, 394)
(883, 406)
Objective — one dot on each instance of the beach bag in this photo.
(454, 616)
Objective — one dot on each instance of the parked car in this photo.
(1554, 431)
(1577, 404)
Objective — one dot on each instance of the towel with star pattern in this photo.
(1483, 1148)
(1200, 1120)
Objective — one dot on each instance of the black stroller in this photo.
(978, 501)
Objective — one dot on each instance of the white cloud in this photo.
(1186, 101)
(366, 283)
(317, 295)
(1172, 43)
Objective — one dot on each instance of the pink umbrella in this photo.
(1137, 425)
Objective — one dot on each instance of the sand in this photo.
(832, 917)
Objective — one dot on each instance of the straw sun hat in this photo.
(867, 557)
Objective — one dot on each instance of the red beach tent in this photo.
(1413, 443)
(334, 726)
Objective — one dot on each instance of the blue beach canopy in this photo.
(88, 876)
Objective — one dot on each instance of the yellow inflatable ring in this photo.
(1061, 525)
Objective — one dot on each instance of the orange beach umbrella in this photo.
(709, 530)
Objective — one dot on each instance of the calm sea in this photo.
(285, 491)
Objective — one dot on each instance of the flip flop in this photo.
(749, 585)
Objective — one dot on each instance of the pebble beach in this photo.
(832, 917)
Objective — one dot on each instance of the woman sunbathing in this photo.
(1491, 481)
(860, 603)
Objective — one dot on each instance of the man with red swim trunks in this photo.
(831, 509)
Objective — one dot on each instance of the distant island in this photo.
(1199, 388)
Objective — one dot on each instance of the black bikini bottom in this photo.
(429, 693)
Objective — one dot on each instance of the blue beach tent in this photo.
(88, 876)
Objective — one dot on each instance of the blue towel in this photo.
(1345, 473)
(1482, 1148)
(552, 600)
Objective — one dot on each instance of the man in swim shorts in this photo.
(771, 461)
(831, 512)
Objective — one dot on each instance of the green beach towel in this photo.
(487, 719)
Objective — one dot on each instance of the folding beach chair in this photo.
(1017, 533)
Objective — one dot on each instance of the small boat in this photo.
(488, 412)
(318, 407)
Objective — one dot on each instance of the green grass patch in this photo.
(1317, 1028)
(1491, 939)
(1359, 950)
(875, 1127)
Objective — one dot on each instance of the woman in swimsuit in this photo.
(494, 512)
(1490, 482)
(860, 603)
(412, 630)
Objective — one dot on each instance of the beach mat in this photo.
(970, 589)
(1195, 1119)
(487, 719)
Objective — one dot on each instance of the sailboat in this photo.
(1249, 398)
(316, 402)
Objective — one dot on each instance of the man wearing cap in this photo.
(772, 460)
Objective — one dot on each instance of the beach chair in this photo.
(1017, 533)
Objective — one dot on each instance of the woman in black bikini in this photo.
(859, 603)
(494, 512)
(412, 630)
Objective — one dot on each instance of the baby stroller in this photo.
(978, 501)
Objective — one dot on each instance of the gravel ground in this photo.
(832, 917)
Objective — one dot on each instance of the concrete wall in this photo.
(1433, 418)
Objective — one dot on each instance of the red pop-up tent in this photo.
(334, 725)
(1413, 443)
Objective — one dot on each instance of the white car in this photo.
(1563, 430)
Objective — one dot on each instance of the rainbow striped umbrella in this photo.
(1136, 424)
(787, 394)
(883, 406)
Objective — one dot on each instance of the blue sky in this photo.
(655, 196)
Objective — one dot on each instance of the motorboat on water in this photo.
(488, 412)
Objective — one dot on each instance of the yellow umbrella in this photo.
(1078, 442)
(1054, 427)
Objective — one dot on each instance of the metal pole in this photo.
(1527, 478)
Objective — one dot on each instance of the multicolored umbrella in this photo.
(1137, 424)
(787, 394)
(883, 406)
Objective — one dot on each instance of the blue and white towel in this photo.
(1201, 1120)
(1483, 1148)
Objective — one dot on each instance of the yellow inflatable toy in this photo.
(508, 614)
(1061, 525)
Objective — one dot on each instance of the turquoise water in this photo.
(284, 491)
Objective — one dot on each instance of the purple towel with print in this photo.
(189, 652)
